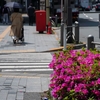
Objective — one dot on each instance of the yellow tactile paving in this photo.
(16, 51)
(2, 35)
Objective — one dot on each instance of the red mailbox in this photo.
(40, 20)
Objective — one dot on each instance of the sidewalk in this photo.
(25, 85)
(34, 41)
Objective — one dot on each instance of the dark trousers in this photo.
(31, 18)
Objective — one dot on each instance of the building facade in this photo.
(25, 3)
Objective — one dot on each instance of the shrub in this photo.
(76, 75)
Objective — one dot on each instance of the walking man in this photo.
(31, 14)
(5, 15)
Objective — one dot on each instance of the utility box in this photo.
(40, 20)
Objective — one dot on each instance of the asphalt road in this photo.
(89, 26)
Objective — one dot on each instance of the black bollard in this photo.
(76, 32)
(56, 20)
(61, 33)
(90, 45)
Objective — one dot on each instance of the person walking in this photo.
(17, 25)
(31, 13)
(5, 13)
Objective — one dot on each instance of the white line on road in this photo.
(31, 70)
(23, 67)
(91, 18)
(22, 64)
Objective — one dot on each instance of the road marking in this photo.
(23, 64)
(2, 35)
(89, 17)
(25, 76)
(20, 76)
(16, 51)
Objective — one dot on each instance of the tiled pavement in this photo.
(17, 88)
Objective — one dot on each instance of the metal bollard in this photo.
(90, 45)
(76, 32)
(50, 18)
(56, 20)
(64, 37)
(61, 33)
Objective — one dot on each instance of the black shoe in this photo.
(14, 41)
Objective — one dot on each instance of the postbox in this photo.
(40, 20)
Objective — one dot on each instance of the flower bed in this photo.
(76, 75)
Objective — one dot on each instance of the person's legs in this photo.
(6, 18)
(29, 20)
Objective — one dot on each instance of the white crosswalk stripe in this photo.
(39, 66)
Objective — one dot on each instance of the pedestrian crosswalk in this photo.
(25, 66)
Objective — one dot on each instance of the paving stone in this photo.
(22, 82)
(22, 90)
(44, 83)
(3, 94)
(11, 97)
(7, 88)
(33, 85)
(8, 82)
(20, 96)
(15, 81)
(12, 91)
(2, 80)
(32, 96)
(9, 78)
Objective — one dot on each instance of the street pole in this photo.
(67, 20)
(61, 9)
(62, 25)
(65, 24)
(65, 12)
(47, 12)
(69, 15)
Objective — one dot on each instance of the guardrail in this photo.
(65, 35)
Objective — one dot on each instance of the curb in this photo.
(89, 12)
(76, 46)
